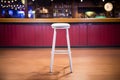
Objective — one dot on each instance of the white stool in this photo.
(68, 51)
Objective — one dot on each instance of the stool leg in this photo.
(69, 51)
(53, 50)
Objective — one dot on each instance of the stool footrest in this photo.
(61, 52)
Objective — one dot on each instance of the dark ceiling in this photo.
(49, 2)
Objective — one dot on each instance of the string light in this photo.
(12, 4)
(8, 1)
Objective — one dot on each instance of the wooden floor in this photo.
(33, 64)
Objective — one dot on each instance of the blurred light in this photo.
(23, 1)
(21, 12)
(10, 12)
(103, 0)
(3, 12)
(18, 7)
(81, 0)
(15, 8)
(2, 6)
(31, 14)
(23, 6)
(8, 1)
(1, 0)
(4, 1)
(12, 8)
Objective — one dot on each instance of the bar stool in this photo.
(56, 26)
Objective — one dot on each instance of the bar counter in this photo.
(84, 32)
(52, 20)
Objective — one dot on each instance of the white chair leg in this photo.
(70, 61)
(69, 51)
(53, 50)
(52, 61)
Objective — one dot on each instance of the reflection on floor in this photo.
(33, 64)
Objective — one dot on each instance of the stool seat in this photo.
(60, 25)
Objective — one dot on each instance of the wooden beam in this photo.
(26, 9)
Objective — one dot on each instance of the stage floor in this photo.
(33, 64)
